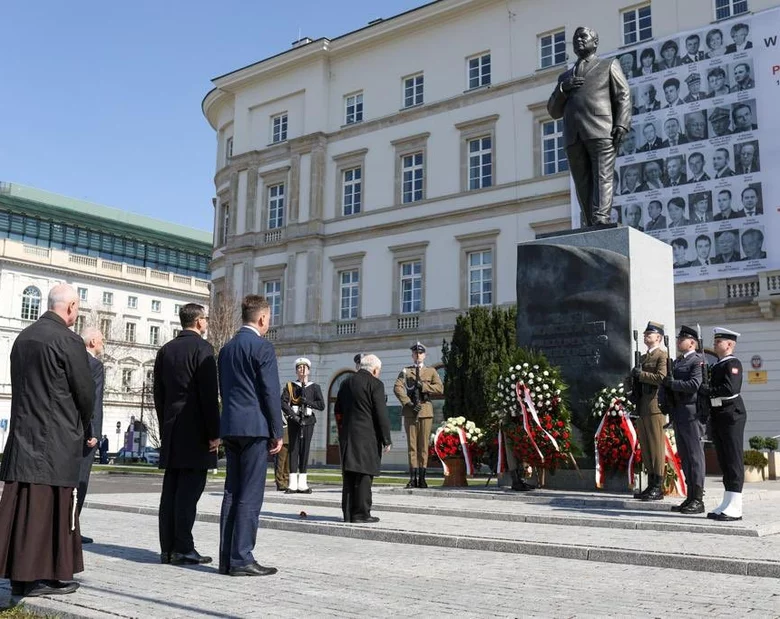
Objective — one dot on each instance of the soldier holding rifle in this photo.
(680, 399)
(647, 377)
(413, 388)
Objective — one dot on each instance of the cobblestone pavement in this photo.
(323, 576)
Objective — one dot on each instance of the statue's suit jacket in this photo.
(595, 108)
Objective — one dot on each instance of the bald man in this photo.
(93, 340)
(51, 408)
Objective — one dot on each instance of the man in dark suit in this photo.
(251, 429)
(186, 400)
(365, 434)
(746, 160)
(696, 165)
(656, 220)
(703, 246)
(727, 243)
(742, 117)
(93, 340)
(752, 244)
(51, 407)
(673, 135)
(594, 100)
(675, 171)
(652, 141)
(692, 53)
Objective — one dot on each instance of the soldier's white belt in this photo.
(718, 402)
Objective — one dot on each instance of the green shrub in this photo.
(770, 443)
(755, 458)
(756, 442)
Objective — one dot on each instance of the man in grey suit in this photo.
(594, 100)
(681, 399)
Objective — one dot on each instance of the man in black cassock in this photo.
(364, 435)
(51, 407)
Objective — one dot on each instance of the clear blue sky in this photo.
(100, 99)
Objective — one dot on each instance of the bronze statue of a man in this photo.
(594, 101)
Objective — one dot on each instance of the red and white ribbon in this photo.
(671, 457)
(501, 466)
(527, 407)
(628, 429)
(438, 453)
(464, 445)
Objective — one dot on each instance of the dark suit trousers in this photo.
(728, 432)
(356, 496)
(300, 445)
(247, 464)
(592, 165)
(84, 471)
(688, 434)
(181, 492)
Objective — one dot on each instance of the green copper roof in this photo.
(112, 217)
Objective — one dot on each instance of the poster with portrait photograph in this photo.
(695, 168)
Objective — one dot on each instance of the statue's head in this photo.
(585, 41)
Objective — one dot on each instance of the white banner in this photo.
(700, 168)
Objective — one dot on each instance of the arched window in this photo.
(332, 454)
(31, 303)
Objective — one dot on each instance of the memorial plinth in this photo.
(579, 297)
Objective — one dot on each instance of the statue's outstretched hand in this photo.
(571, 83)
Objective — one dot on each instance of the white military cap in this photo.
(302, 361)
(721, 333)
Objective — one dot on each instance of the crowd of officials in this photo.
(56, 427)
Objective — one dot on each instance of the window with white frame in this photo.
(552, 49)
(223, 223)
(177, 308)
(353, 108)
(105, 328)
(272, 291)
(480, 162)
(411, 286)
(132, 302)
(228, 148)
(83, 294)
(349, 288)
(479, 70)
(279, 128)
(154, 335)
(108, 298)
(412, 171)
(176, 332)
(130, 331)
(729, 8)
(480, 264)
(156, 305)
(352, 190)
(78, 327)
(413, 90)
(127, 380)
(149, 379)
(553, 149)
(637, 25)
(276, 206)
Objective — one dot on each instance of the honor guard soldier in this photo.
(681, 399)
(728, 415)
(413, 388)
(649, 375)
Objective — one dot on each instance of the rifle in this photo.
(635, 384)
(415, 392)
(703, 399)
(670, 397)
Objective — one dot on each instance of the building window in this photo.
(637, 25)
(349, 285)
(552, 49)
(729, 8)
(272, 291)
(413, 90)
(154, 335)
(279, 128)
(228, 149)
(479, 71)
(177, 308)
(156, 305)
(411, 287)
(127, 380)
(132, 302)
(130, 332)
(149, 381)
(276, 206)
(553, 149)
(78, 327)
(108, 298)
(352, 194)
(176, 332)
(480, 277)
(82, 294)
(223, 224)
(480, 162)
(353, 108)
(412, 180)
(105, 328)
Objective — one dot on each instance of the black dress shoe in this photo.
(725, 518)
(49, 587)
(18, 587)
(253, 569)
(86, 540)
(683, 505)
(290, 491)
(713, 516)
(365, 520)
(694, 507)
(165, 558)
(655, 493)
(189, 558)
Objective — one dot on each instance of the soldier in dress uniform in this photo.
(413, 388)
(680, 399)
(728, 415)
(649, 375)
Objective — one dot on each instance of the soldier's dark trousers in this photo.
(651, 439)
(300, 444)
(181, 492)
(728, 432)
(356, 497)
(592, 165)
(688, 434)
